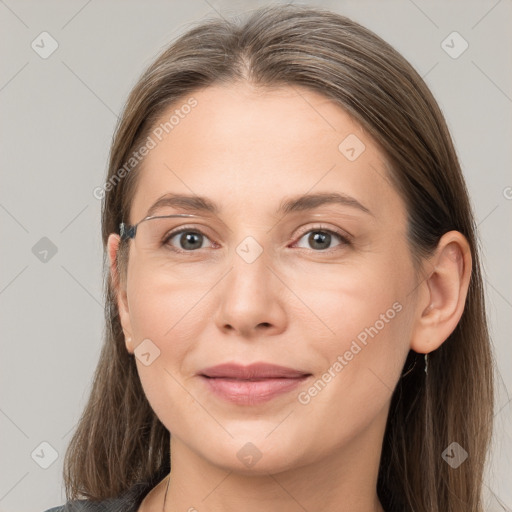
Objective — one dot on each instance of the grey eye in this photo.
(319, 239)
(188, 240)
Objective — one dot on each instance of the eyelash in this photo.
(344, 239)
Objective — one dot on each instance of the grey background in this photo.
(57, 118)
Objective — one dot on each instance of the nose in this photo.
(251, 299)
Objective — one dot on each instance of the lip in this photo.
(252, 371)
(252, 384)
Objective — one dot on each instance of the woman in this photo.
(294, 302)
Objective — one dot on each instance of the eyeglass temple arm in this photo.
(127, 231)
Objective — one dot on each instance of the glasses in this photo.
(165, 244)
(127, 231)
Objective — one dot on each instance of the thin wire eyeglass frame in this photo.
(127, 231)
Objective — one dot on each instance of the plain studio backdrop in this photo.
(66, 70)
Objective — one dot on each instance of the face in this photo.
(321, 287)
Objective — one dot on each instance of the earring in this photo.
(426, 364)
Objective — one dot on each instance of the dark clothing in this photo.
(129, 501)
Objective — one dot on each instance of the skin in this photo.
(247, 149)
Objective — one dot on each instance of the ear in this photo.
(120, 290)
(442, 295)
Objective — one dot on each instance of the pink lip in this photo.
(253, 384)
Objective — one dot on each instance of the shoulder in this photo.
(128, 501)
(91, 506)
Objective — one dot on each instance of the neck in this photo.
(344, 480)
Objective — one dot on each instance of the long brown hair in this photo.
(119, 440)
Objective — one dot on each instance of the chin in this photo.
(256, 454)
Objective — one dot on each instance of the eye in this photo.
(186, 239)
(320, 239)
(189, 240)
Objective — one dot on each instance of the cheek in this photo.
(360, 366)
(368, 310)
(167, 317)
(341, 301)
(164, 309)
(369, 335)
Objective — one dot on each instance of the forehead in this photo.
(247, 148)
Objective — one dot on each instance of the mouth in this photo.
(252, 384)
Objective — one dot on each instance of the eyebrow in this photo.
(199, 204)
(312, 201)
(188, 203)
